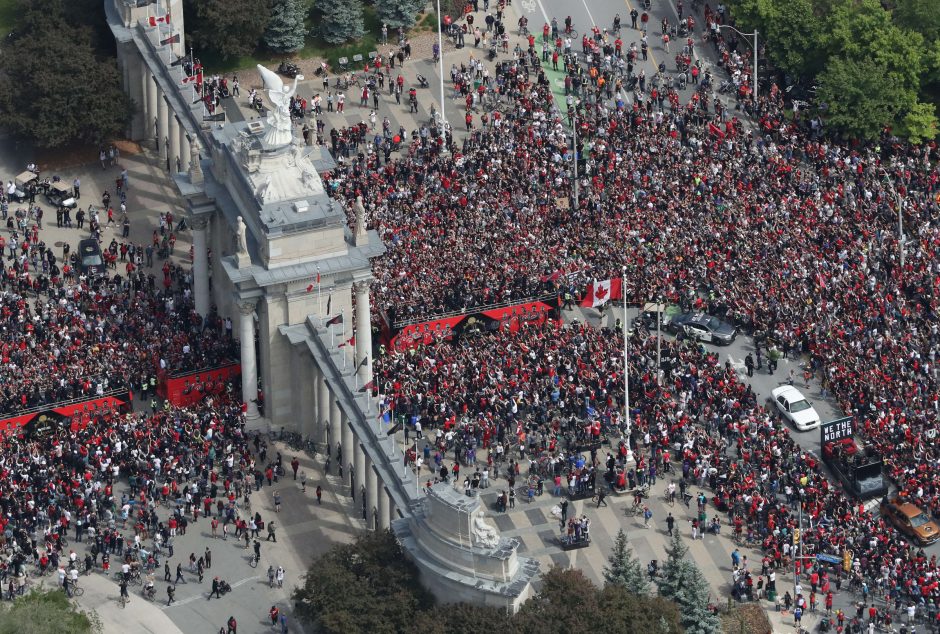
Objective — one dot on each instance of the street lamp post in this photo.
(754, 35)
(897, 200)
(440, 54)
(626, 367)
(574, 148)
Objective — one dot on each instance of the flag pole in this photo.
(626, 365)
(319, 295)
(345, 340)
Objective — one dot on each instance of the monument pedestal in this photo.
(461, 556)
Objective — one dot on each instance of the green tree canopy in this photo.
(922, 16)
(623, 568)
(340, 20)
(41, 612)
(863, 96)
(286, 29)
(366, 586)
(682, 582)
(398, 13)
(54, 89)
(569, 602)
(793, 28)
(231, 28)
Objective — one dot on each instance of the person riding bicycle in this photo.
(124, 595)
(257, 550)
(637, 498)
(617, 22)
(149, 588)
(568, 24)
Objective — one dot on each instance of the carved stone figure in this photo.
(279, 129)
(265, 191)
(484, 534)
(360, 210)
(242, 237)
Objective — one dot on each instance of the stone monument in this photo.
(461, 556)
(279, 130)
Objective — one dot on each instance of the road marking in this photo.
(544, 12)
(199, 596)
(590, 17)
(529, 6)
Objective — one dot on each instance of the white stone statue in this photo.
(242, 236)
(265, 192)
(360, 210)
(279, 129)
(484, 534)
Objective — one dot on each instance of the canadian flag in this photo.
(601, 292)
(197, 78)
(163, 19)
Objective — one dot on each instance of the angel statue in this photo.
(279, 130)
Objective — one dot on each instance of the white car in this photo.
(795, 408)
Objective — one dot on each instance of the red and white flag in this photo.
(601, 292)
(197, 79)
(163, 19)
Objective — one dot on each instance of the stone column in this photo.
(246, 308)
(323, 408)
(360, 464)
(313, 391)
(185, 150)
(145, 82)
(163, 112)
(384, 517)
(372, 493)
(173, 134)
(152, 110)
(201, 265)
(348, 441)
(363, 332)
(336, 419)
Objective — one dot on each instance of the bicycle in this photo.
(572, 33)
(253, 560)
(124, 600)
(669, 497)
(75, 589)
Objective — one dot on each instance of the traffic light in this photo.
(796, 537)
(847, 560)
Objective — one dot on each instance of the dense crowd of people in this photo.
(114, 334)
(792, 237)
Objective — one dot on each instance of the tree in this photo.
(862, 97)
(791, 31)
(682, 582)
(918, 15)
(231, 28)
(624, 568)
(286, 29)
(340, 20)
(568, 602)
(462, 617)
(398, 13)
(920, 123)
(622, 611)
(54, 89)
(40, 612)
(366, 586)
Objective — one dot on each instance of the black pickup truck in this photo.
(860, 472)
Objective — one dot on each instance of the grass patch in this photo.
(8, 13)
